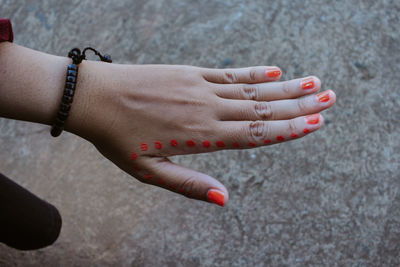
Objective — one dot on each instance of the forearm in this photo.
(31, 83)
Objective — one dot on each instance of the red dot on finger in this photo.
(306, 130)
(134, 156)
(293, 135)
(236, 144)
(206, 143)
(280, 138)
(144, 146)
(174, 142)
(220, 144)
(190, 143)
(252, 144)
(267, 141)
(148, 176)
(157, 144)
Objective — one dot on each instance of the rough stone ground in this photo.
(330, 199)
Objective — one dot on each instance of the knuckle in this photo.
(253, 74)
(230, 77)
(188, 185)
(257, 130)
(286, 88)
(250, 92)
(264, 110)
(292, 126)
(302, 105)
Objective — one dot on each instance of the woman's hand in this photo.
(137, 116)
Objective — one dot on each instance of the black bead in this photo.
(107, 58)
(70, 85)
(59, 122)
(62, 115)
(72, 67)
(56, 131)
(65, 107)
(71, 79)
(67, 99)
(71, 73)
(69, 92)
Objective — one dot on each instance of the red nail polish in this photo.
(220, 144)
(293, 135)
(306, 130)
(216, 196)
(236, 144)
(267, 141)
(157, 144)
(273, 73)
(313, 119)
(280, 138)
(174, 142)
(206, 143)
(148, 176)
(181, 190)
(161, 181)
(134, 156)
(190, 143)
(144, 146)
(307, 83)
(252, 144)
(323, 97)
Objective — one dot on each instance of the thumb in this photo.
(160, 171)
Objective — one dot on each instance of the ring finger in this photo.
(239, 110)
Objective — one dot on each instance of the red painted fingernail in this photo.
(174, 142)
(134, 156)
(144, 146)
(236, 144)
(307, 83)
(190, 143)
(206, 143)
(157, 144)
(273, 73)
(323, 97)
(216, 196)
(161, 181)
(267, 141)
(220, 144)
(172, 186)
(313, 119)
(148, 176)
(293, 135)
(306, 130)
(280, 138)
(181, 190)
(252, 144)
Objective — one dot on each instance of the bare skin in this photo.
(119, 108)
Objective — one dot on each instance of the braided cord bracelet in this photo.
(70, 86)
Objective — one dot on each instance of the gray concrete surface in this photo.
(330, 199)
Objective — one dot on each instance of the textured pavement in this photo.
(330, 199)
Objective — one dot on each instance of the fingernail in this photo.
(313, 119)
(323, 97)
(272, 73)
(307, 83)
(216, 197)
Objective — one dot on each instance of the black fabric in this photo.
(26, 221)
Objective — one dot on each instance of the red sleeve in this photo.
(6, 33)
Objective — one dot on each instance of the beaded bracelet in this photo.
(70, 85)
